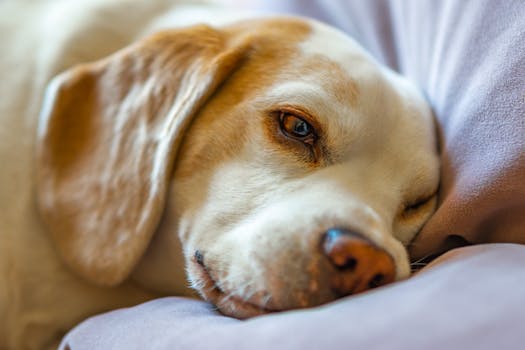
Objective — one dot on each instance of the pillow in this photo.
(469, 59)
(461, 301)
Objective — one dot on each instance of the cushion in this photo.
(461, 301)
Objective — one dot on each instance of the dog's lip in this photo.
(224, 299)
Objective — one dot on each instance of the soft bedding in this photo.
(470, 298)
(469, 58)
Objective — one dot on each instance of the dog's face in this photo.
(326, 139)
(306, 135)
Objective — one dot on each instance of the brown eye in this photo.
(296, 127)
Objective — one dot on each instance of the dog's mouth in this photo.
(227, 302)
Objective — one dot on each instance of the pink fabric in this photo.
(470, 298)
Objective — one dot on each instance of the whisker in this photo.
(266, 300)
(421, 259)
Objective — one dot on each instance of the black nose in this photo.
(359, 263)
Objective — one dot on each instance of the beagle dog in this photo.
(268, 164)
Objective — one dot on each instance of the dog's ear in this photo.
(107, 140)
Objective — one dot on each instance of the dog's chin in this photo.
(226, 302)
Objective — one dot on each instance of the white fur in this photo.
(40, 297)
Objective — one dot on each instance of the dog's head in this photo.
(291, 166)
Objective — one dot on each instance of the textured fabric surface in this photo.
(469, 59)
(461, 301)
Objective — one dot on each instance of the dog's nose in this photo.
(359, 263)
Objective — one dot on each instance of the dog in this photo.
(271, 162)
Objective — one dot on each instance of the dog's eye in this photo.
(414, 207)
(296, 127)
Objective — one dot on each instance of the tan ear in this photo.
(107, 140)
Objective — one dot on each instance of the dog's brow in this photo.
(301, 93)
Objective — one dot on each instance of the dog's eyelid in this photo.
(419, 203)
(295, 124)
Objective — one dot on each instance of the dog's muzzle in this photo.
(347, 263)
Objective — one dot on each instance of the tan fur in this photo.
(154, 145)
(94, 170)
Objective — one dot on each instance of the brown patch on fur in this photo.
(107, 145)
(334, 79)
(273, 45)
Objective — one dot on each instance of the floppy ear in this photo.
(107, 140)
